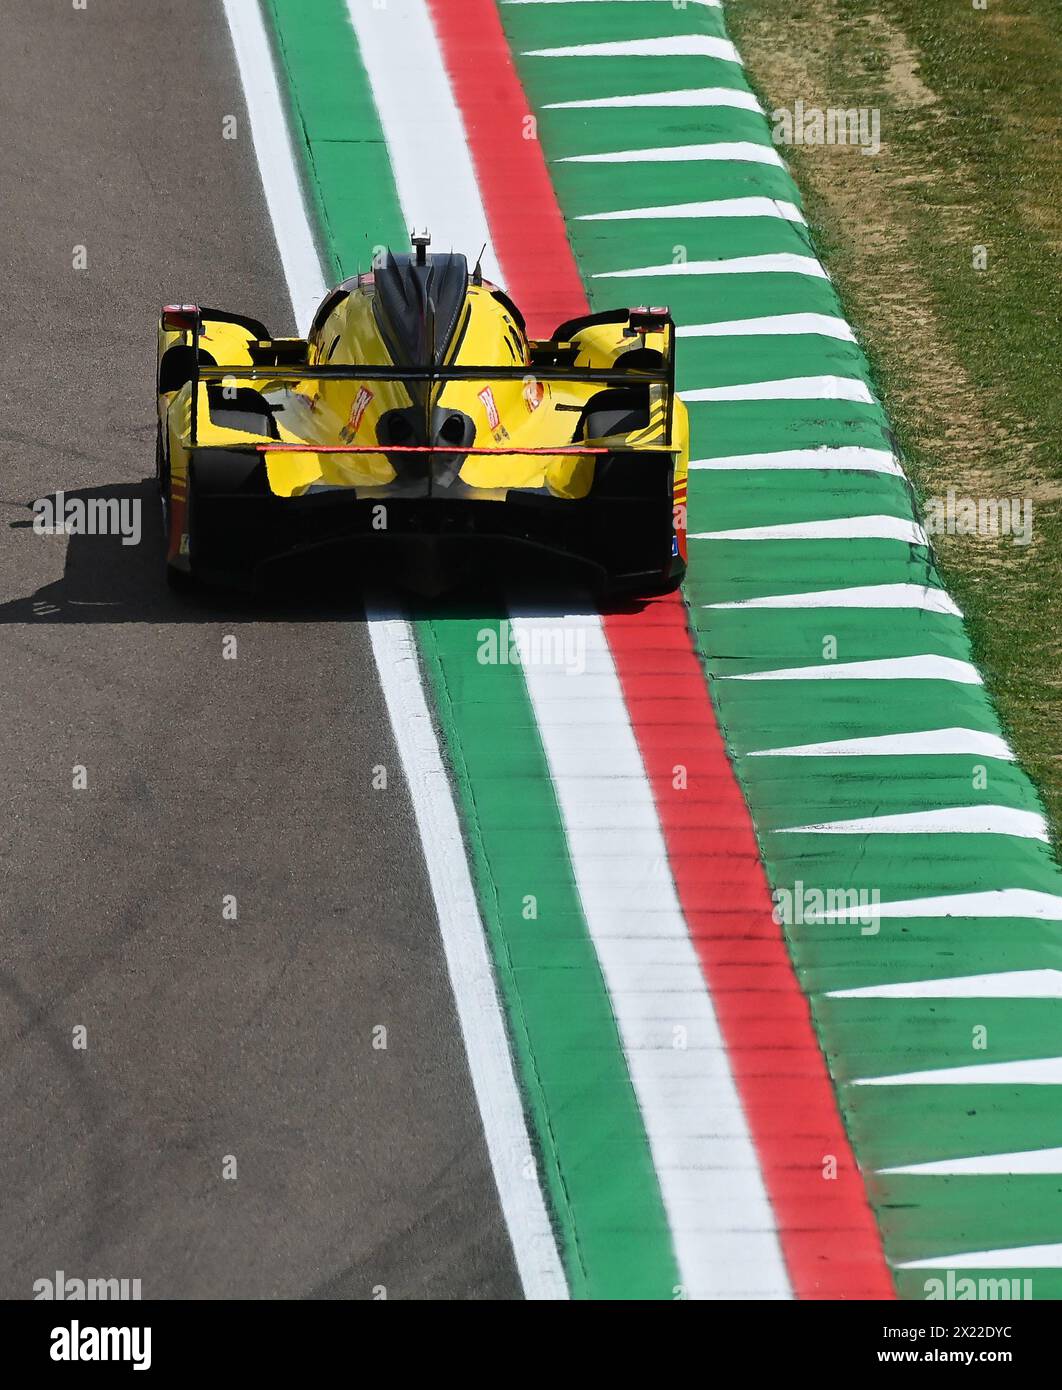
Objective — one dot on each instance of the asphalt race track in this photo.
(357, 1167)
(680, 925)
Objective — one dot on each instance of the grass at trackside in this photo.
(968, 360)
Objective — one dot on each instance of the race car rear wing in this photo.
(551, 360)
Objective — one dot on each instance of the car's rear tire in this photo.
(181, 580)
(162, 478)
(160, 460)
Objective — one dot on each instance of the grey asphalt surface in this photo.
(356, 1167)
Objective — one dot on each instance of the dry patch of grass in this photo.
(966, 358)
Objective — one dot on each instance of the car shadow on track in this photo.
(107, 580)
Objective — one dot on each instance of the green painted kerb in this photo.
(921, 1217)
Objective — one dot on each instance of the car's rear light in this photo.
(180, 318)
(645, 320)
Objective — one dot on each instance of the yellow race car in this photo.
(417, 431)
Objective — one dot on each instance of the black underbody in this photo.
(617, 538)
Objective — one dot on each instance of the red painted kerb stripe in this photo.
(829, 1238)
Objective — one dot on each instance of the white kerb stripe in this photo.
(989, 902)
(886, 668)
(923, 596)
(688, 96)
(930, 743)
(1038, 1071)
(792, 388)
(957, 820)
(1000, 984)
(1016, 1257)
(432, 168)
(822, 325)
(842, 528)
(779, 263)
(742, 151)
(723, 1228)
(479, 1013)
(851, 458)
(670, 46)
(1028, 1161)
(714, 207)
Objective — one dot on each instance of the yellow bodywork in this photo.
(530, 413)
(261, 421)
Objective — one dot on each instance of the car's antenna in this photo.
(421, 241)
(477, 274)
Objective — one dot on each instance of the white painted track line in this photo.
(276, 159)
(479, 1011)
